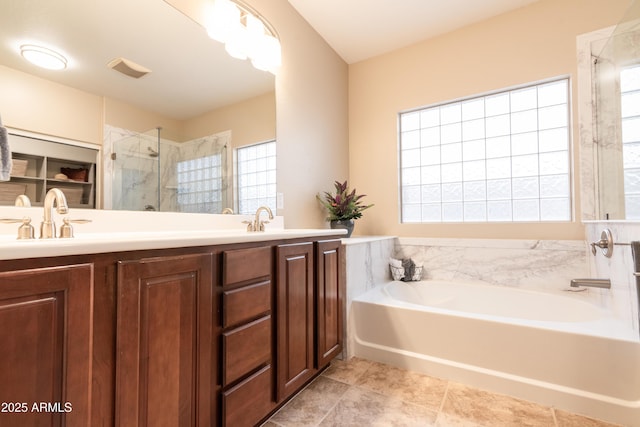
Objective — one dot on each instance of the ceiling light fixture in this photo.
(245, 33)
(43, 57)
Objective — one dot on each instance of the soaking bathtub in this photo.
(550, 348)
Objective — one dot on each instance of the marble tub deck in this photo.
(364, 393)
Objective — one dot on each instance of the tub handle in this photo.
(605, 243)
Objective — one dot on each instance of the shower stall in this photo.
(616, 97)
(144, 171)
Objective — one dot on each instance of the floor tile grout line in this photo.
(333, 406)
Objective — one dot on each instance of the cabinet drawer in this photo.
(248, 402)
(246, 303)
(245, 348)
(242, 265)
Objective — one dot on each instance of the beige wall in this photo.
(38, 105)
(250, 121)
(125, 116)
(529, 44)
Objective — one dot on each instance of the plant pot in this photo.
(346, 224)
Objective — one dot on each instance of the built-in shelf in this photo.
(44, 160)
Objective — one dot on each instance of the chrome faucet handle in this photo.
(25, 231)
(260, 226)
(605, 243)
(249, 225)
(66, 230)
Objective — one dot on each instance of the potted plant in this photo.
(344, 207)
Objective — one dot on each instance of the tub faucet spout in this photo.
(48, 227)
(593, 283)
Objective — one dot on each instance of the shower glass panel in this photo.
(136, 165)
(616, 75)
(152, 173)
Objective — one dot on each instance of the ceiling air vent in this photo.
(128, 67)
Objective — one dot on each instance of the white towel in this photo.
(5, 154)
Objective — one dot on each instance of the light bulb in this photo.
(223, 20)
(269, 56)
(237, 44)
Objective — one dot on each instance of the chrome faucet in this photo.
(258, 224)
(592, 283)
(47, 226)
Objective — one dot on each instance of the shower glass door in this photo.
(616, 75)
(136, 177)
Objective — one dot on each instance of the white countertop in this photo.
(117, 231)
(118, 242)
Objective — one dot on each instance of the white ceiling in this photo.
(191, 74)
(361, 29)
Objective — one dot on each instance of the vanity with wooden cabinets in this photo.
(220, 334)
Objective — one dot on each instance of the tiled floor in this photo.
(364, 393)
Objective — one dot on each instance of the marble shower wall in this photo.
(130, 171)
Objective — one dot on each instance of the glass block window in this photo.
(630, 113)
(502, 157)
(256, 177)
(200, 185)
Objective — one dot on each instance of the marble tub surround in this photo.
(546, 265)
(359, 392)
(533, 264)
(365, 260)
(622, 298)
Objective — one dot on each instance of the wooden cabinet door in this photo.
(294, 313)
(328, 301)
(45, 331)
(164, 374)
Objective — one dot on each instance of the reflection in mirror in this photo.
(194, 180)
(616, 97)
(194, 108)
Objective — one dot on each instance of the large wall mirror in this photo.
(170, 134)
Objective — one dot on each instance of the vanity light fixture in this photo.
(245, 33)
(43, 57)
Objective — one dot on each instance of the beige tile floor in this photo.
(364, 393)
